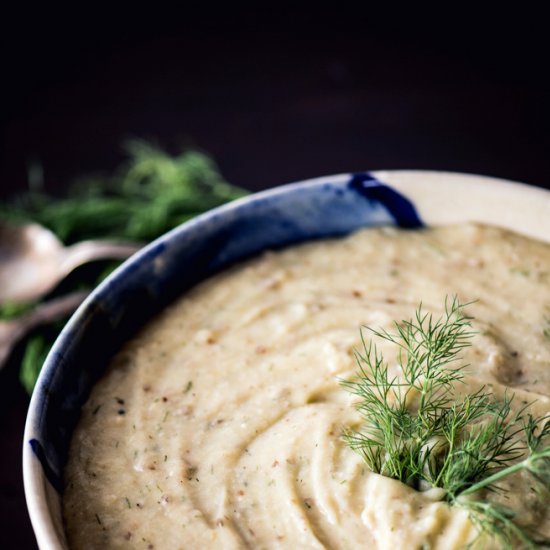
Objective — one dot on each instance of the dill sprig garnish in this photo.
(419, 429)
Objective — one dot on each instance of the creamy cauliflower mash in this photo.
(220, 424)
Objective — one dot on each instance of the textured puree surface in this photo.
(219, 425)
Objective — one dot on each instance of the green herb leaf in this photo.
(35, 353)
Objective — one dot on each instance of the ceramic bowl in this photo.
(312, 209)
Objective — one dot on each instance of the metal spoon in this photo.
(33, 260)
(13, 330)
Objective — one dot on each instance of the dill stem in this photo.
(526, 463)
(446, 463)
(495, 477)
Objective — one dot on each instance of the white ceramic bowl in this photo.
(328, 206)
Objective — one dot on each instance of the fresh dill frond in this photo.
(150, 193)
(407, 418)
(417, 428)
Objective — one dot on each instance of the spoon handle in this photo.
(13, 330)
(53, 310)
(87, 251)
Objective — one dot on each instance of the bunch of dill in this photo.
(146, 196)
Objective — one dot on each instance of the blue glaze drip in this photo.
(401, 208)
(51, 475)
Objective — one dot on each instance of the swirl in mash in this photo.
(219, 425)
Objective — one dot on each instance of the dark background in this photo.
(273, 98)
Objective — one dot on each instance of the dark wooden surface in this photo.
(303, 96)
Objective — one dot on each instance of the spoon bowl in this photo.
(33, 260)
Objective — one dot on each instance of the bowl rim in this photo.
(531, 205)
